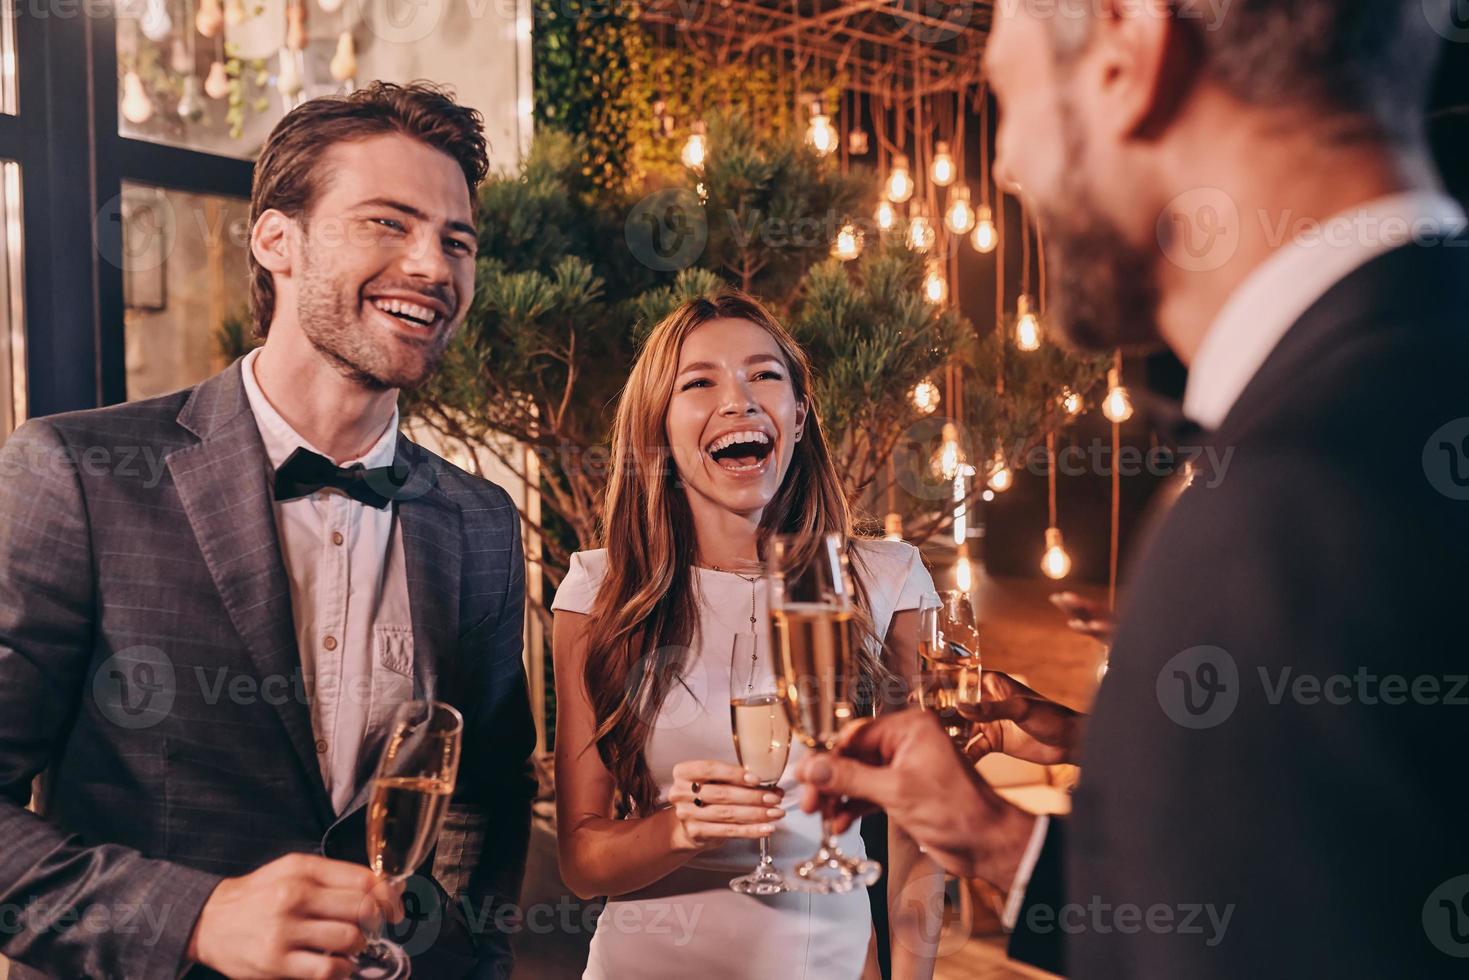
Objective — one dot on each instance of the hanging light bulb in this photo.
(180, 59)
(985, 238)
(925, 396)
(1027, 327)
(887, 215)
(892, 526)
(1071, 401)
(344, 62)
(695, 148)
(921, 234)
(329, 6)
(935, 286)
(963, 573)
(288, 81)
(234, 12)
(1117, 406)
(209, 21)
(296, 26)
(1001, 477)
(155, 23)
(848, 244)
(950, 457)
(857, 142)
(217, 85)
(821, 135)
(942, 171)
(191, 103)
(899, 185)
(137, 108)
(1056, 563)
(960, 216)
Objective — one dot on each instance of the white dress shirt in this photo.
(1258, 314)
(349, 600)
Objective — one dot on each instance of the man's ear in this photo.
(270, 241)
(1143, 68)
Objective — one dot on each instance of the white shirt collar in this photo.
(1273, 296)
(281, 439)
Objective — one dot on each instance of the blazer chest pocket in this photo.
(392, 672)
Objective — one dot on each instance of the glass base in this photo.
(764, 880)
(381, 960)
(831, 872)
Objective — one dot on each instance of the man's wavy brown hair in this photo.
(290, 169)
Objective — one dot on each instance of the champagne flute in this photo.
(949, 662)
(762, 737)
(811, 609)
(410, 796)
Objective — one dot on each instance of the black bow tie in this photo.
(304, 472)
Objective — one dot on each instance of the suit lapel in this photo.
(223, 483)
(432, 544)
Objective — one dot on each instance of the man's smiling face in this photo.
(386, 270)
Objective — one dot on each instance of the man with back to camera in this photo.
(206, 664)
(1269, 782)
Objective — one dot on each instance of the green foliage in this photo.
(773, 206)
(588, 79)
(235, 336)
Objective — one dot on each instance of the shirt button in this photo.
(321, 746)
(336, 537)
(330, 643)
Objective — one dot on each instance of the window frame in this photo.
(73, 165)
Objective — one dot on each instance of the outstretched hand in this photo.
(1016, 721)
(903, 763)
(1085, 616)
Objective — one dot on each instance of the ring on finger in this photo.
(698, 802)
(695, 787)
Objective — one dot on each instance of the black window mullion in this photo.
(183, 170)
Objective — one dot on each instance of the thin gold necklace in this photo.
(752, 580)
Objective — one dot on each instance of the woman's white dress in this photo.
(689, 924)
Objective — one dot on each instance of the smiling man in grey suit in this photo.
(203, 648)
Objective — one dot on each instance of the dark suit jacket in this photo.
(148, 659)
(1248, 753)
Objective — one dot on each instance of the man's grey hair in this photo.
(1361, 68)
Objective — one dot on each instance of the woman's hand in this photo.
(716, 801)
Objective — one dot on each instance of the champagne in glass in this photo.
(811, 609)
(949, 671)
(410, 795)
(762, 737)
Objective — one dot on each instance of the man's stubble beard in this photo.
(332, 323)
(1104, 289)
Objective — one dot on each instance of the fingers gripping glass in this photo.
(410, 795)
(762, 737)
(811, 608)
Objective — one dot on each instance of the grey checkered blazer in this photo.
(148, 664)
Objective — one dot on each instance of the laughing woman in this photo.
(716, 446)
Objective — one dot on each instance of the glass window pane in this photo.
(234, 65)
(200, 75)
(7, 57)
(185, 286)
(12, 295)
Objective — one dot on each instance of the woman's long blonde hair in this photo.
(645, 614)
